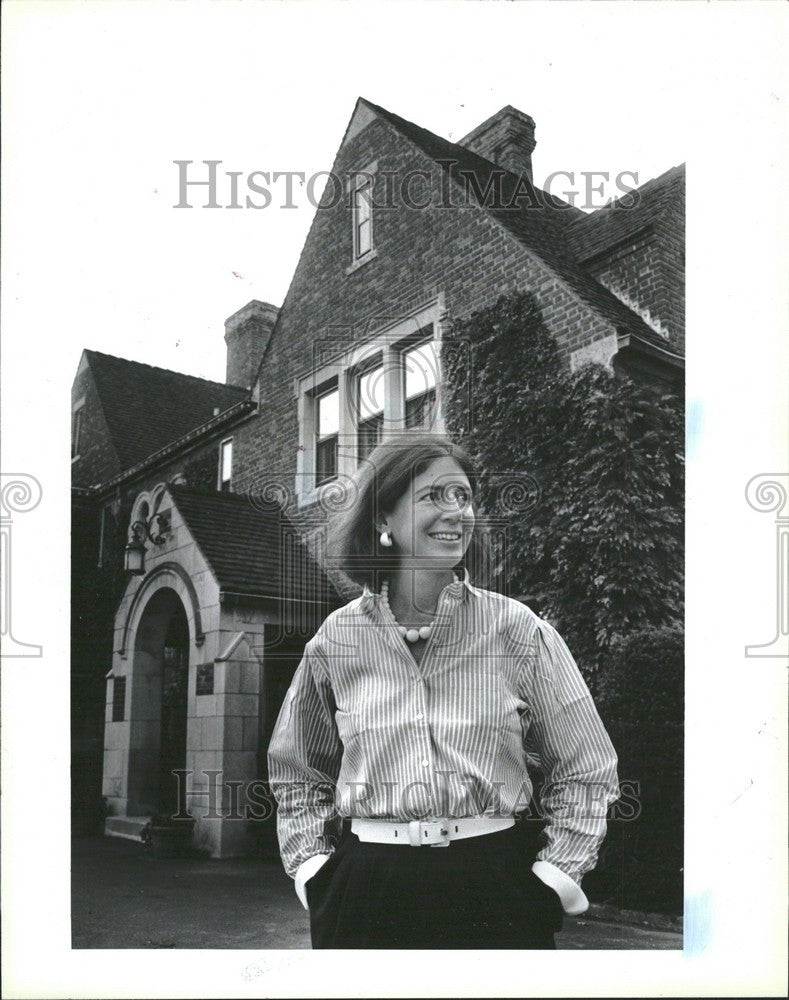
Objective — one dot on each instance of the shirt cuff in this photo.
(305, 871)
(571, 895)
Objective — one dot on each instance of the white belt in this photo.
(427, 833)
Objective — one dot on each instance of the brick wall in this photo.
(648, 272)
(633, 273)
(671, 232)
(97, 460)
(459, 251)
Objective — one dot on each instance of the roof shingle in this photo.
(147, 408)
(539, 226)
(251, 550)
(615, 223)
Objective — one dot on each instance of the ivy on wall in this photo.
(595, 541)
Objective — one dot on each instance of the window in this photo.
(328, 434)
(105, 537)
(360, 392)
(362, 216)
(421, 368)
(76, 429)
(371, 410)
(226, 465)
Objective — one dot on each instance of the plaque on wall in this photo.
(205, 679)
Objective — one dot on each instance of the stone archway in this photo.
(158, 705)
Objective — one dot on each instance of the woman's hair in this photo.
(381, 480)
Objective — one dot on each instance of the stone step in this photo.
(129, 827)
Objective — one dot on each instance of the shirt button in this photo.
(420, 715)
(425, 763)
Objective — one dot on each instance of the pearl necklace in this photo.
(409, 634)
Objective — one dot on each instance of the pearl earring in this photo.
(386, 540)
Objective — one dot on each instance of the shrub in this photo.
(641, 701)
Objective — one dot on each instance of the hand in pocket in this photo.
(317, 881)
(548, 900)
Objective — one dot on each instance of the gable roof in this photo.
(251, 551)
(146, 408)
(539, 228)
(621, 220)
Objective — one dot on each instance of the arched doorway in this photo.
(172, 731)
(159, 702)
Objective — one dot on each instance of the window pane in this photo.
(363, 241)
(325, 460)
(362, 205)
(362, 220)
(76, 426)
(370, 432)
(420, 411)
(371, 393)
(104, 531)
(227, 461)
(329, 414)
(421, 369)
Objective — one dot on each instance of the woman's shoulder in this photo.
(341, 618)
(511, 607)
(515, 618)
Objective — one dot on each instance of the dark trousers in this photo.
(476, 893)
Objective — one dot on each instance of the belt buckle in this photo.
(428, 833)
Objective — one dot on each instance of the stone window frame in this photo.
(344, 368)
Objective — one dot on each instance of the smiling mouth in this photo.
(446, 536)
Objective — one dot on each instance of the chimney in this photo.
(246, 334)
(506, 138)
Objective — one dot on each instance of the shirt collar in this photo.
(458, 590)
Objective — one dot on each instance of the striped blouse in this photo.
(365, 731)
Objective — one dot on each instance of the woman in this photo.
(398, 760)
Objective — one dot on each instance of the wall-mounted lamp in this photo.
(154, 530)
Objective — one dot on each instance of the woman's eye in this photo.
(447, 496)
(453, 495)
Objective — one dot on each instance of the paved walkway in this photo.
(123, 898)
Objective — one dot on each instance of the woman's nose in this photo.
(452, 508)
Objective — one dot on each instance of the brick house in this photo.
(205, 490)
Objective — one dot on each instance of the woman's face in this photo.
(432, 523)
